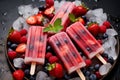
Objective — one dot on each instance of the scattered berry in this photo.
(103, 29)
(23, 39)
(81, 20)
(13, 46)
(100, 41)
(49, 11)
(93, 77)
(93, 28)
(48, 55)
(39, 18)
(15, 36)
(9, 43)
(32, 78)
(105, 36)
(32, 20)
(49, 3)
(23, 32)
(98, 74)
(110, 60)
(57, 71)
(42, 7)
(12, 55)
(88, 62)
(53, 59)
(27, 72)
(105, 55)
(87, 73)
(91, 68)
(18, 75)
(107, 24)
(21, 48)
(97, 66)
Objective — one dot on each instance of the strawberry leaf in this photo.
(72, 17)
(55, 28)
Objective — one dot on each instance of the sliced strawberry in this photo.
(15, 36)
(12, 55)
(18, 75)
(23, 39)
(49, 11)
(93, 28)
(49, 3)
(23, 32)
(39, 18)
(103, 29)
(80, 10)
(32, 20)
(81, 20)
(21, 48)
(57, 70)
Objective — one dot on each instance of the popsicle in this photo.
(36, 47)
(67, 52)
(85, 41)
(63, 13)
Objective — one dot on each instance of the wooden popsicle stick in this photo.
(101, 59)
(80, 74)
(32, 69)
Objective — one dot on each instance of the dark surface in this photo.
(111, 7)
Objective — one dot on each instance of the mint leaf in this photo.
(55, 28)
(57, 22)
(72, 17)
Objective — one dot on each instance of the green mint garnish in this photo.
(72, 17)
(55, 28)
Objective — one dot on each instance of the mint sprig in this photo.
(72, 17)
(55, 28)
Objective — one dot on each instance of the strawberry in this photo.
(49, 11)
(56, 70)
(81, 20)
(39, 18)
(23, 39)
(49, 3)
(80, 10)
(21, 48)
(88, 62)
(53, 59)
(93, 28)
(18, 75)
(107, 24)
(32, 20)
(103, 29)
(23, 32)
(48, 55)
(12, 55)
(15, 36)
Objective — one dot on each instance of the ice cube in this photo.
(56, 5)
(77, 2)
(18, 62)
(111, 32)
(104, 69)
(41, 75)
(18, 23)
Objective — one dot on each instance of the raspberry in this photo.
(88, 62)
(100, 41)
(23, 32)
(23, 39)
(107, 24)
(103, 29)
(98, 74)
(53, 59)
(12, 54)
(48, 55)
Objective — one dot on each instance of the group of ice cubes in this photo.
(110, 43)
(96, 15)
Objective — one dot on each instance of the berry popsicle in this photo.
(67, 52)
(36, 47)
(85, 41)
(63, 13)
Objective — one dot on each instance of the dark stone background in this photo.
(8, 13)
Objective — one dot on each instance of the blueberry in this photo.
(91, 68)
(81, 53)
(93, 77)
(105, 36)
(42, 7)
(87, 73)
(66, 76)
(32, 78)
(105, 55)
(110, 60)
(97, 66)
(9, 43)
(27, 71)
(13, 46)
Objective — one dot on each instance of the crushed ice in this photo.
(18, 62)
